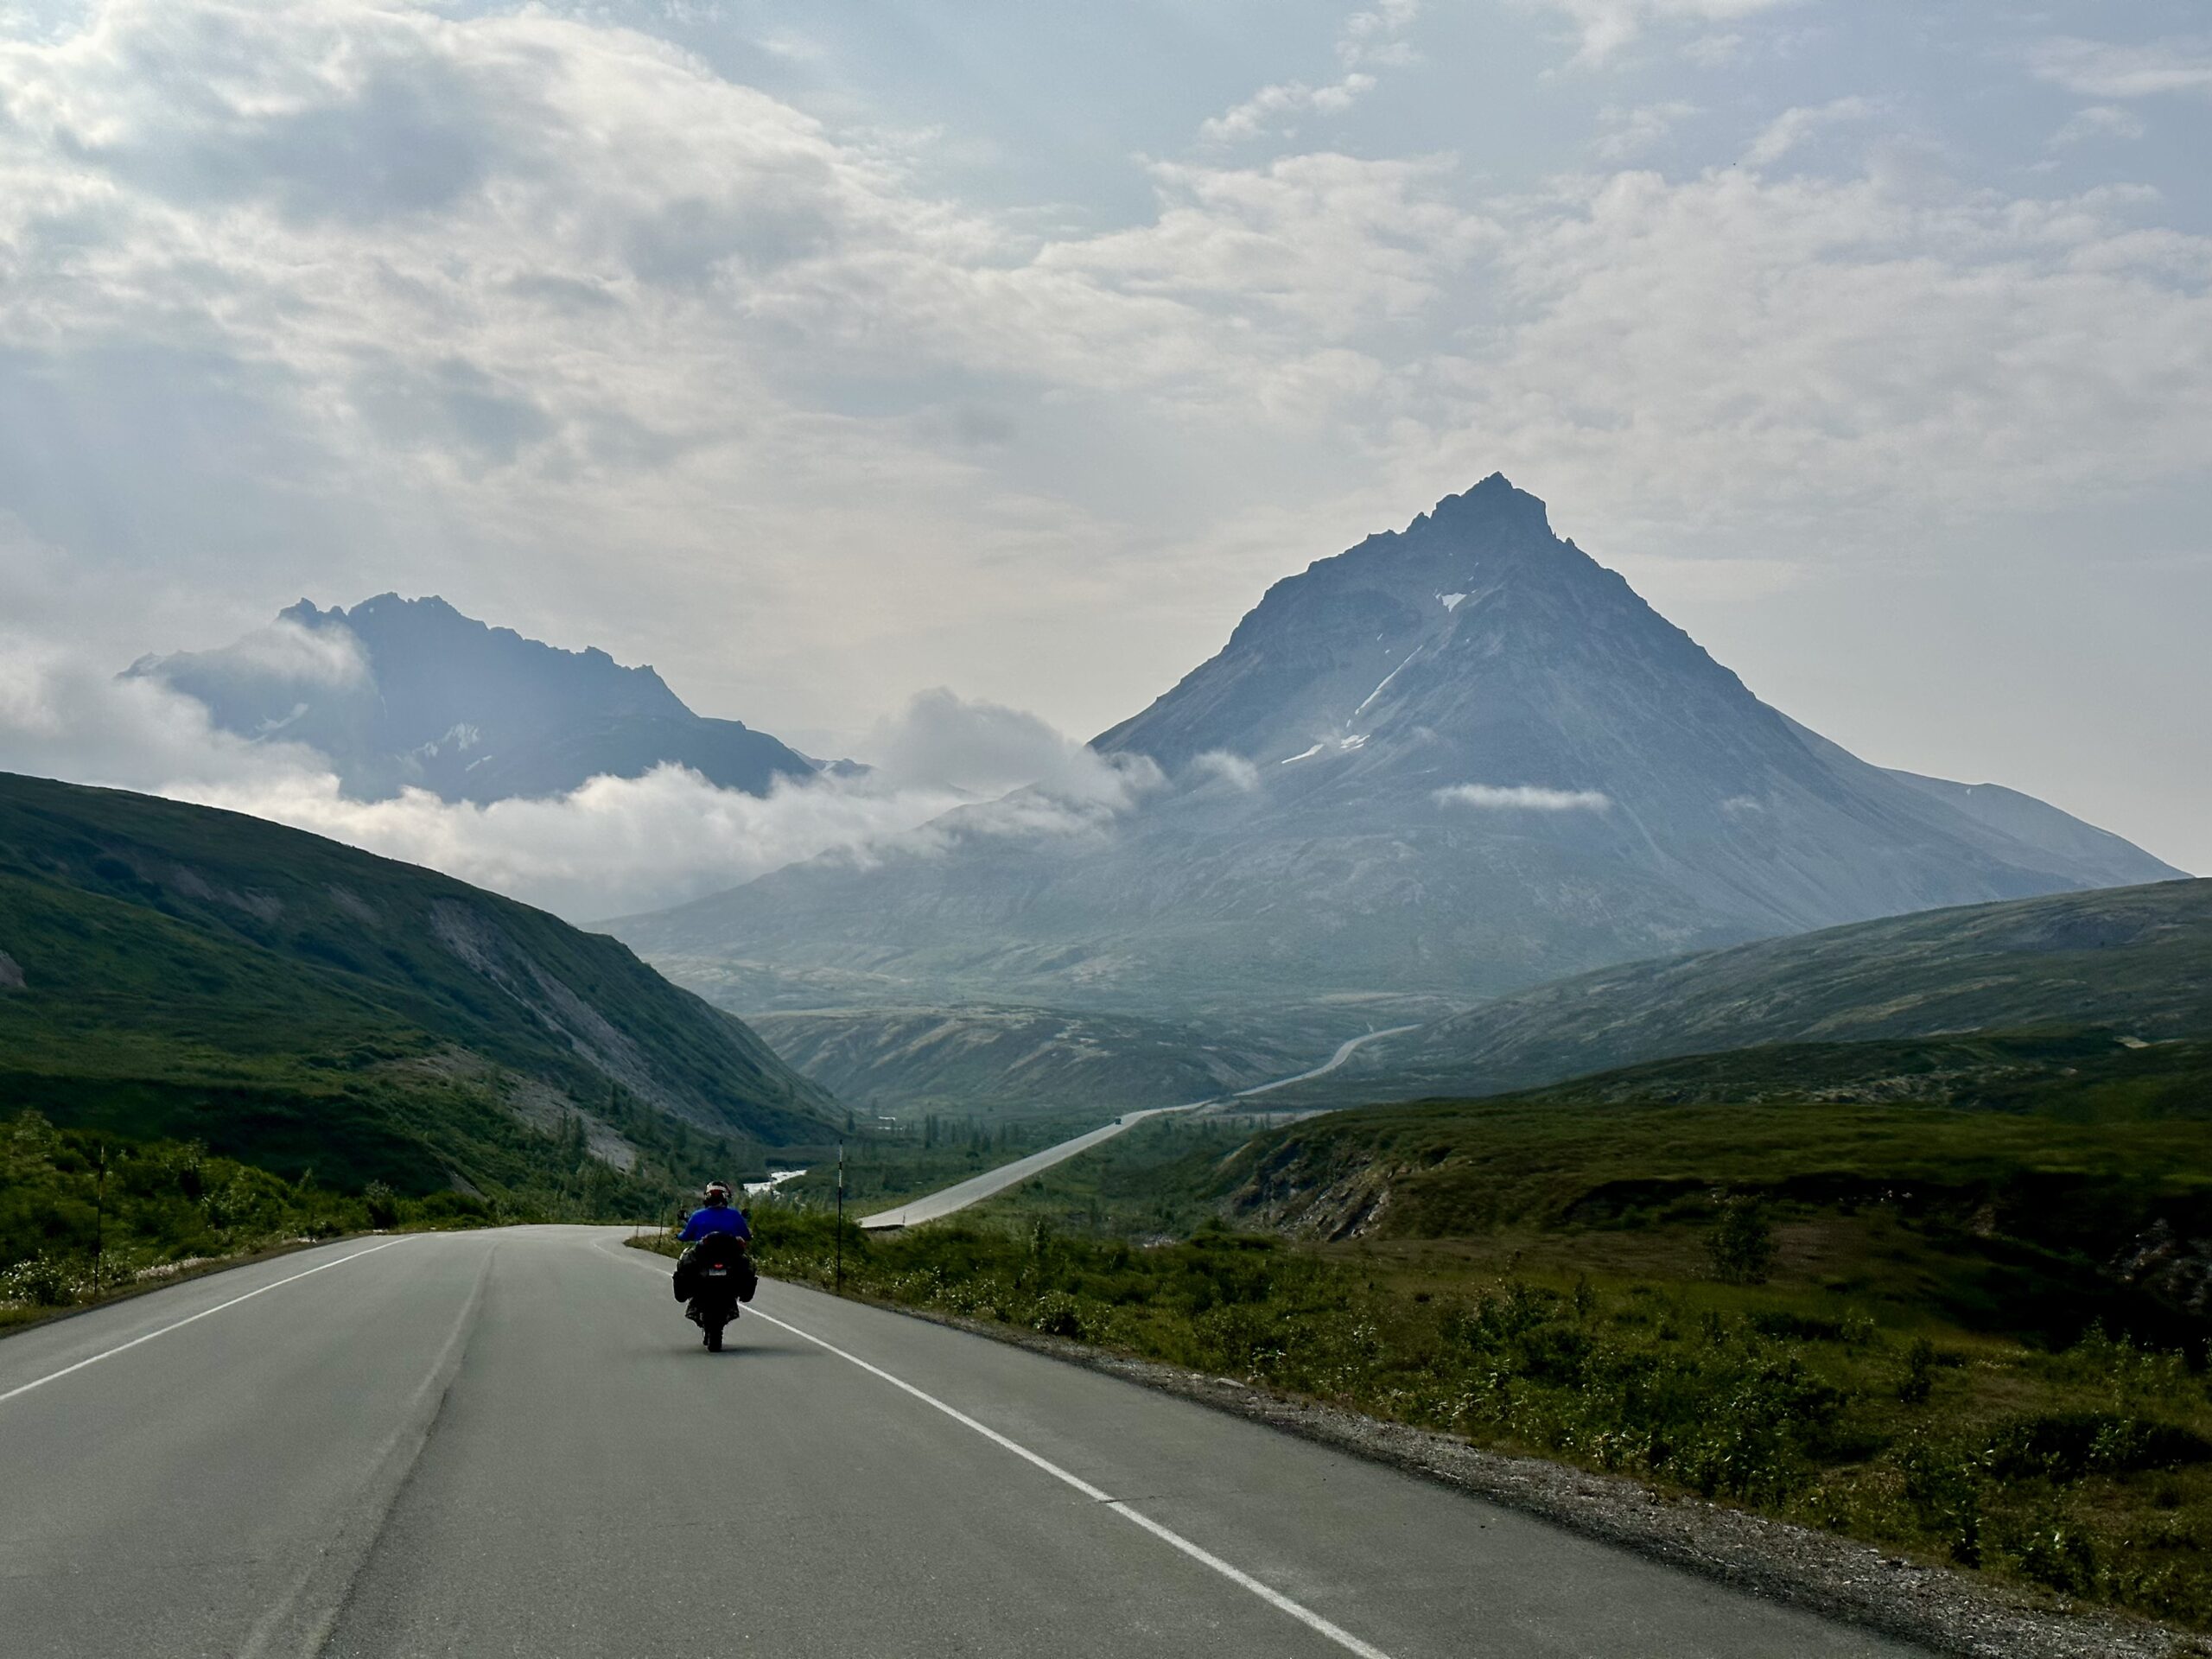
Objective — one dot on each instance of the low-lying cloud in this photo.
(616, 846)
(327, 657)
(1524, 797)
(985, 748)
(1234, 769)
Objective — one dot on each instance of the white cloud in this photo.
(1370, 39)
(943, 741)
(614, 847)
(327, 657)
(1792, 127)
(1900, 355)
(1329, 242)
(1377, 35)
(2098, 69)
(1630, 132)
(1234, 769)
(63, 718)
(1269, 109)
(1524, 797)
(2098, 121)
(1604, 27)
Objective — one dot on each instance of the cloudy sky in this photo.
(820, 355)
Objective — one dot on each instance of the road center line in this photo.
(55, 1376)
(1275, 1599)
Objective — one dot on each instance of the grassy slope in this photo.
(2136, 959)
(202, 975)
(1985, 1180)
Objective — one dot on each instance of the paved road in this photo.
(1344, 1051)
(511, 1443)
(991, 1182)
(937, 1205)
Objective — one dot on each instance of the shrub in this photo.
(2056, 1554)
(1919, 1379)
(43, 1281)
(2066, 1445)
(1741, 1244)
(383, 1205)
(1943, 1489)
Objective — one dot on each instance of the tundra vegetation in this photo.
(1973, 1336)
(85, 1214)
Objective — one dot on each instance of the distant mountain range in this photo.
(1456, 760)
(1002, 1062)
(2135, 963)
(172, 971)
(409, 692)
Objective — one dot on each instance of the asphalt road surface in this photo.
(941, 1203)
(937, 1205)
(512, 1443)
(1344, 1051)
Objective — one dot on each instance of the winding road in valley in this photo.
(937, 1205)
(510, 1442)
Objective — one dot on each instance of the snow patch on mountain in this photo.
(1525, 797)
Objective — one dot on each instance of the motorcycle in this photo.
(712, 1278)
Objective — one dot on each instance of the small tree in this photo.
(1741, 1242)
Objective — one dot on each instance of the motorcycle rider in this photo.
(716, 1215)
(715, 1218)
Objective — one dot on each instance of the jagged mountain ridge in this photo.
(1456, 760)
(445, 702)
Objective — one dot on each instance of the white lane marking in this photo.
(1275, 1599)
(55, 1376)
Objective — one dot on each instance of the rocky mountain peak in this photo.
(1494, 500)
(1419, 633)
(436, 699)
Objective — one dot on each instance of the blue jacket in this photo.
(712, 1218)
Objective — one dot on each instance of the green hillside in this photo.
(173, 972)
(2002, 1182)
(2137, 960)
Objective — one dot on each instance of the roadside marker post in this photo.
(99, 1217)
(839, 1275)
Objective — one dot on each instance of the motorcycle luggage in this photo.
(719, 1263)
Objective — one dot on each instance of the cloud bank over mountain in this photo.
(612, 846)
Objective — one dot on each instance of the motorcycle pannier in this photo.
(713, 1264)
